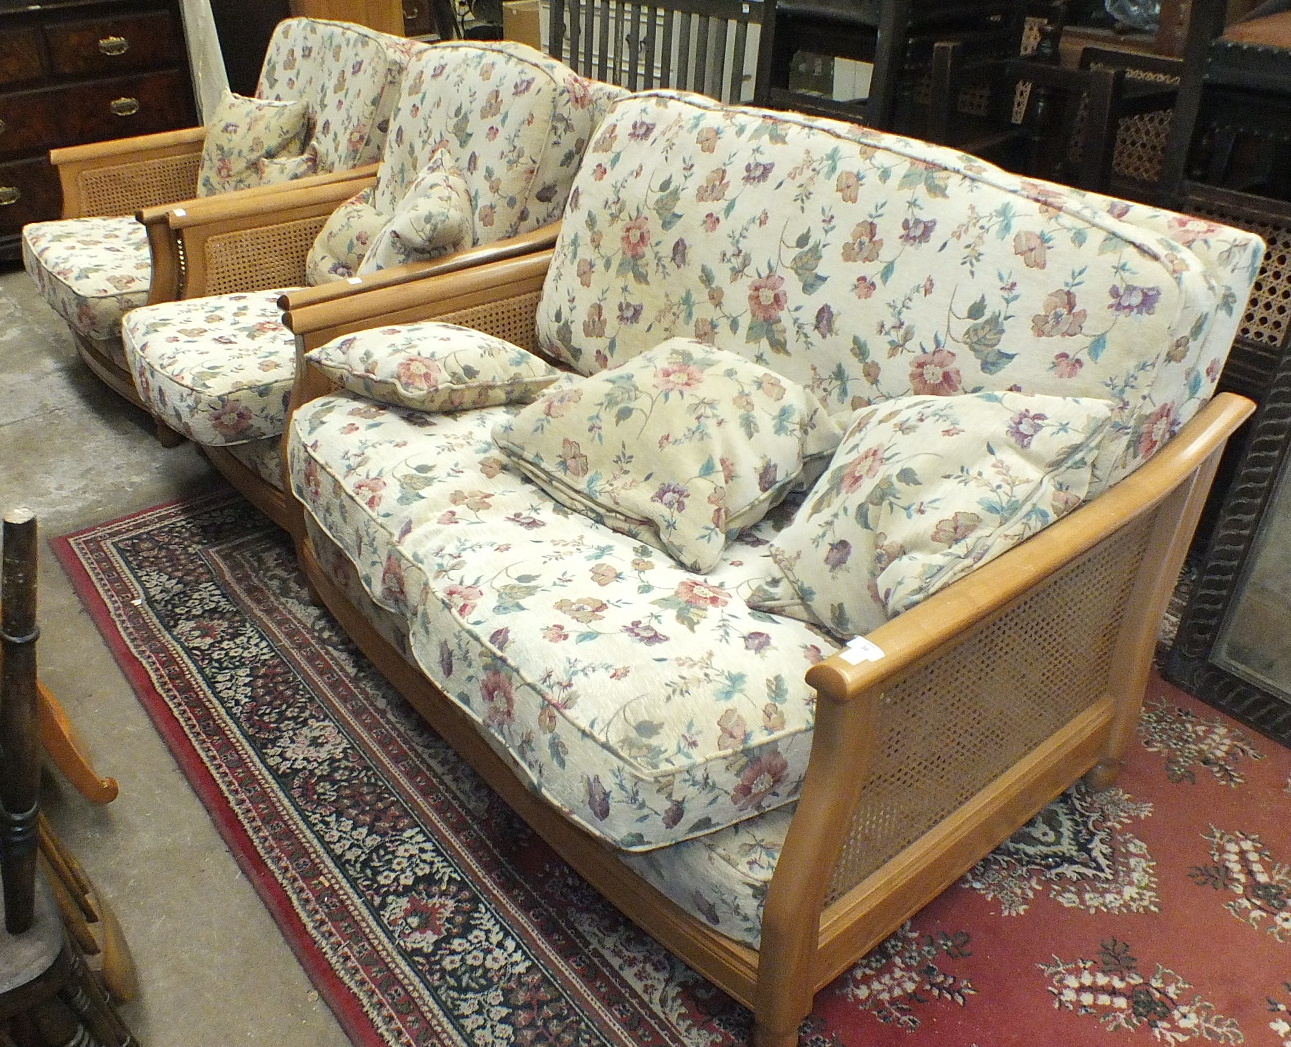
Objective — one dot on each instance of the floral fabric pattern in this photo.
(341, 245)
(244, 135)
(598, 664)
(91, 271)
(682, 447)
(433, 367)
(867, 267)
(432, 219)
(923, 490)
(215, 369)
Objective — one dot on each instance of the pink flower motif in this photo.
(865, 287)
(917, 230)
(498, 697)
(864, 466)
(1157, 429)
(701, 594)
(935, 374)
(636, 237)
(1025, 426)
(733, 732)
(1060, 317)
(371, 491)
(1067, 366)
(677, 377)
(672, 496)
(760, 779)
(1031, 248)
(419, 372)
(955, 529)
(711, 222)
(767, 297)
(464, 597)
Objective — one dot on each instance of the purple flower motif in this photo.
(755, 172)
(917, 230)
(1024, 427)
(839, 553)
(756, 642)
(630, 312)
(824, 321)
(674, 814)
(1131, 299)
(679, 250)
(672, 496)
(598, 798)
(641, 129)
(767, 476)
(445, 658)
(647, 634)
(500, 638)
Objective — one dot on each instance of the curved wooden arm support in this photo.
(470, 258)
(422, 298)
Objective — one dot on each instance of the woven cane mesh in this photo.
(1270, 302)
(1140, 145)
(258, 259)
(966, 718)
(127, 188)
(512, 320)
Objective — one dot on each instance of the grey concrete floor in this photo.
(214, 969)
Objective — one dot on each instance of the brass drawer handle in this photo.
(3, 127)
(9, 194)
(124, 106)
(114, 45)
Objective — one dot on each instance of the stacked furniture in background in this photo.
(482, 150)
(569, 504)
(94, 264)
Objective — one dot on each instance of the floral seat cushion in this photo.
(92, 271)
(219, 369)
(595, 662)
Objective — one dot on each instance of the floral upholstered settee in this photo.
(792, 531)
(322, 107)
(482, 149)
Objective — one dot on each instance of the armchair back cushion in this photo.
(855, 263)
(496, 128)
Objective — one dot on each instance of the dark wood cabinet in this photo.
(81, 71)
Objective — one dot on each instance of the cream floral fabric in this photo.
(923, 490)
(866, 266)
(681, 447)
(219, 370)
(244, 136)
(601, 666)
(92, 270)
(500, 126)
(433, 367)
(434, 218)
(89, 270)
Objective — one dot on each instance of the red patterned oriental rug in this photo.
(1158, 912)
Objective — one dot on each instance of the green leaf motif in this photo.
(983, 339)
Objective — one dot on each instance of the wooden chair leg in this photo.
(67, 751)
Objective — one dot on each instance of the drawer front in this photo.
(93, 112)
(29, 192)
(20, 56)
(105, 46)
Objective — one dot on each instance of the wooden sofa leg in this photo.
(1103, 775)
(166, 436)
(766, 1035)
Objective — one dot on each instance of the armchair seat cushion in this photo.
(91, 270)
(593, 662)
(219, 369)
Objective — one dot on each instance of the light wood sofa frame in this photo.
(984, 703)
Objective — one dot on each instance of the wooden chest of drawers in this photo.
(81, 71)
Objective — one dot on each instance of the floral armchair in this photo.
(482, 150)
(792, 531)
(321, 110)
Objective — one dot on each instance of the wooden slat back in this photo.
(693, 45)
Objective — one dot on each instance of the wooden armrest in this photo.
(418, 299)
(125, 150)
(919, 633)
(483, 254)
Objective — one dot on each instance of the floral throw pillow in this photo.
(341, 245)
(922, 490)
(433, 218)
(681, 447)
(433, 366)
(248, 142)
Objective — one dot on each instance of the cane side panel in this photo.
(126, 188)
(258, 259)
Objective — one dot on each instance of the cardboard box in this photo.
(522, 21)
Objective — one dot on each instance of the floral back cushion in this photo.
(921, 491)
(867, 266)
(349, 75)
(682, 447)
(514, 121)
(248, 139)
(433, 219)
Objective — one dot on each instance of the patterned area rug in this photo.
(1156, 912)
